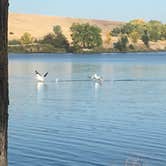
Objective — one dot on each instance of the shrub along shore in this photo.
(134, 36)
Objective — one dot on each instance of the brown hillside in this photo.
(40, 25)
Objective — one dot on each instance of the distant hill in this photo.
(40, 25)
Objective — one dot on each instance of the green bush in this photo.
(121, 45)
(14, 42)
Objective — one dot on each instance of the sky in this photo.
(116, 10)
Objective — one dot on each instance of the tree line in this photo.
(136, 30)
(88, 37)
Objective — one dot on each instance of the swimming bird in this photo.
(96, 77)
(39, 77)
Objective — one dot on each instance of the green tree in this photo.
(86, 36)
(49, 39)
(56, 39)
(121, 45)
(139, 29)
(14, 42)
(134, 36)
(137, 22)
(116, 31)
(154, 29)
(61, 41)
(145, 38)
(26, 38)
(130, 27)
(163, 32)
(57, 29)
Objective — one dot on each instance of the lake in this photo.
(77, 122)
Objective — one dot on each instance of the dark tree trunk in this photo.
(3, 81)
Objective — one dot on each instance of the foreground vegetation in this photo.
(136, 35)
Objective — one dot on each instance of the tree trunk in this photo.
(3, 81)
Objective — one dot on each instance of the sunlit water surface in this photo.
(76, 122)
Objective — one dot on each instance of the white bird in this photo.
(39, 77)
(95, 77)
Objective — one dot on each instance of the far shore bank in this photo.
(87, 52)
(46, 48)
(84, 35)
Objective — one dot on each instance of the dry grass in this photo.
(40, 25)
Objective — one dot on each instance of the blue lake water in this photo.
(76, 122)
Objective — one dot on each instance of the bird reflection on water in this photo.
(97, 85)
(41, 91)
(40, 86)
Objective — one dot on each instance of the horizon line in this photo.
(73, 17)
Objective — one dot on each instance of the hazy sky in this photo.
(120, 10)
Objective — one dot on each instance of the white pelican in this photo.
(39, 77)
(97, 78)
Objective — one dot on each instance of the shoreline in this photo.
(90, 53)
